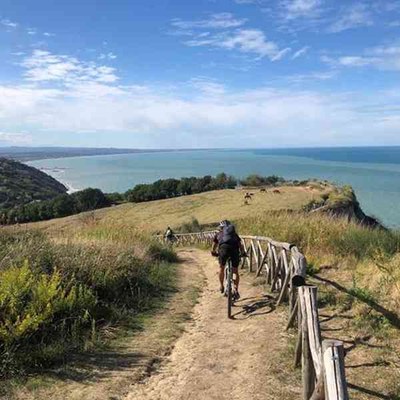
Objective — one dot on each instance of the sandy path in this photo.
(218, 358)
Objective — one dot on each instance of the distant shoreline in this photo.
(26, 154)
(380, 154)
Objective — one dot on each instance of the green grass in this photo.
(364, 262)
(320, 234)
(58, 296)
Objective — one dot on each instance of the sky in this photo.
(199, 73)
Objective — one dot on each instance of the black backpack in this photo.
(228, 236)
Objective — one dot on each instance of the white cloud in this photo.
(300, 8)
(48, 34)
(9, 24)
(386, 58)
(251, 41)
(215, 21)
(31, 31)
(15, 138)
(353, 16)
(109, 56)
(152, 116)
(208, 87)
(245, 1)
(357, 61)
(300, 52)
(312, 76)
(45, 66)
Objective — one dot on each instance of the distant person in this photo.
(169, 235)
(229, 245)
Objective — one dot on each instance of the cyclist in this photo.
(229, 245)
(169, 235)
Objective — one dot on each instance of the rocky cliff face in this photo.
(343, 203)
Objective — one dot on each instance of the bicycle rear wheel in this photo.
(229, 289)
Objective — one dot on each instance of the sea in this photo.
(374, 172)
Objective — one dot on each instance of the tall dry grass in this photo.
(364, 262)
(58, 295)
(322, 235)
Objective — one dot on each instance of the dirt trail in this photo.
(218, 358)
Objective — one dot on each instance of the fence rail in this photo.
(284, 268)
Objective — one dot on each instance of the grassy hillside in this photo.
(21, 184)
(357, 268)
(65, 282)
(209, 207)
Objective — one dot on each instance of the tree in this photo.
(89, 199)
(62, 206)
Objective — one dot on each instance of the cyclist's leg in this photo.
(222, 259)
(235, 269)
(221, 277)
(236, 278)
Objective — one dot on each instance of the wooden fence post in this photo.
(334, 373)
(251, 258)
(307, 365)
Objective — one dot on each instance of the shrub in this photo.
(189, 227)
(257, 180)
(67, 291)
(37, 310)
(158, 252)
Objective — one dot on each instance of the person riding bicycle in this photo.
(229, 245)
(169, 235)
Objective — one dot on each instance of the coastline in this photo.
(57, 173)
(375, 183)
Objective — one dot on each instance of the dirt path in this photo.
(218, 358)
(184, 352)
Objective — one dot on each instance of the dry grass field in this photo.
(207, 208)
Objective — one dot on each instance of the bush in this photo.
(37, 310)
(257, 180)
(158, 252)
(189, 227)
(66, 292)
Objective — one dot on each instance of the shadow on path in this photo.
(101, 365)
(255, 307)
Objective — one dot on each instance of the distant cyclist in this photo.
(229, 245)
(169, 235)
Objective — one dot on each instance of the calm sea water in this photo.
(373, 172)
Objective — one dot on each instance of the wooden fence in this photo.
(284, 268)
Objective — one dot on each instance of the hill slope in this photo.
(207, 208)
(356, 268)
(21, 184)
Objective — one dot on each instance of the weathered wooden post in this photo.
(334, 373)
(251, 257)
(307, 365)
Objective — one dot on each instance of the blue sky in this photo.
(204, 73)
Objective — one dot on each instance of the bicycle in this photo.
(229, 287)
(230, 291)
(170, 240)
